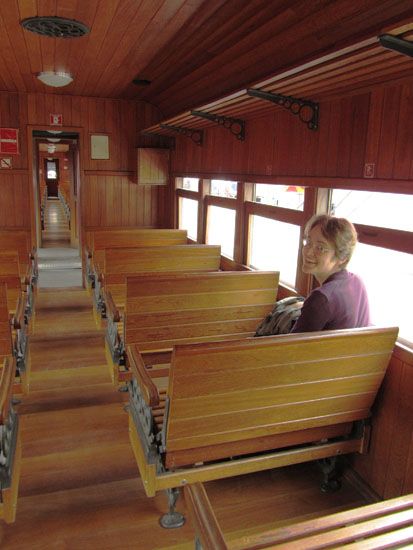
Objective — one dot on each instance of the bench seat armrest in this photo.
(111, 309)
(149, 390)
(204, 522)
(17, 321)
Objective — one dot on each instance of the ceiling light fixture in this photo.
(55, 79)
(53, 140)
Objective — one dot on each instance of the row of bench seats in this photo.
(12, 381)
(96, 240)
(207, 402)
(18, 278)
(19, 272)
(386, 524)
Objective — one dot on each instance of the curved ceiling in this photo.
(190, 51)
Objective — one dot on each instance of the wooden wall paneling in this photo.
(76, 113)
(260, 140)
(402, 436)
(408, 482)
(403, 158)
(360, 115)
(323, 138)
(283, 143)
(133, 203)
(374, 466)
(344, 138)
(388, 136)
(374, 126)
(333, 147)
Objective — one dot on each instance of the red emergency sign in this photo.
(9, 141)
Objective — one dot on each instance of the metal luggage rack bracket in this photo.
(235, 125)
(307, 111)
(196, 135)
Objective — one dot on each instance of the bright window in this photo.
(274, 245)
(221, 229)
(386, 271)
(388, 276)
(188, 216)
(191, 184)
(223, 188)
(51, 170)
(285, 196)
(372, 208)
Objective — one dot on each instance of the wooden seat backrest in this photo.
(5, 328)
(9, 274)
(120, 263)
(98, 240)
(166, 309)
(18, 241)
(228, 392)
(7, 374)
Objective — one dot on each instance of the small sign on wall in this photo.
(55, 120)
(99, 147)
(5, 163)
(9, 141)
(369, 170)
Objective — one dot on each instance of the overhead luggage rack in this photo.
(351, 69)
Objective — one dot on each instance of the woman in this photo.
(341, 299)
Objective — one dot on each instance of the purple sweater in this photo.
(340, 302)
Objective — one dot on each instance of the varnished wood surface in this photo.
(190, 51)
(381, 525)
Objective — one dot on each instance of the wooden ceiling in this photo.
(195, 52)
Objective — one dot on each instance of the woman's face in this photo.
(319, 257)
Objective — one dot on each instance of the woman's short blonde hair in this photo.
(339, 232)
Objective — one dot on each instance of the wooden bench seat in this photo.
(20, 241)
(235, 407)
(163, 309)
(14, 344)
(387, 524)
(16, 288)
(10, 445)
(98, 239)
(118, 264)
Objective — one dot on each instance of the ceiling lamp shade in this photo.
(55, 79)
(53, 140)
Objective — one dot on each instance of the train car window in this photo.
(384, 255)
(51, 170)
(274, 245)
(188, 216)
(382, 269)
(221, 228)
(223, 188)
(371, 208)
(191, 184)
(285, 196)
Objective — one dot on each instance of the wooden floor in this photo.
(79, 485)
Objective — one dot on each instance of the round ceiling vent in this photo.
(55, 27)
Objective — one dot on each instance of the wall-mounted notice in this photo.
(5, 163)
(99, 147)
(55, 120)
(9, 141)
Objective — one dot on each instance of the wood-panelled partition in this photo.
(372, 128)
(109, 193)
(388, 467)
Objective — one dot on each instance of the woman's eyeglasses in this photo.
(318, 248)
